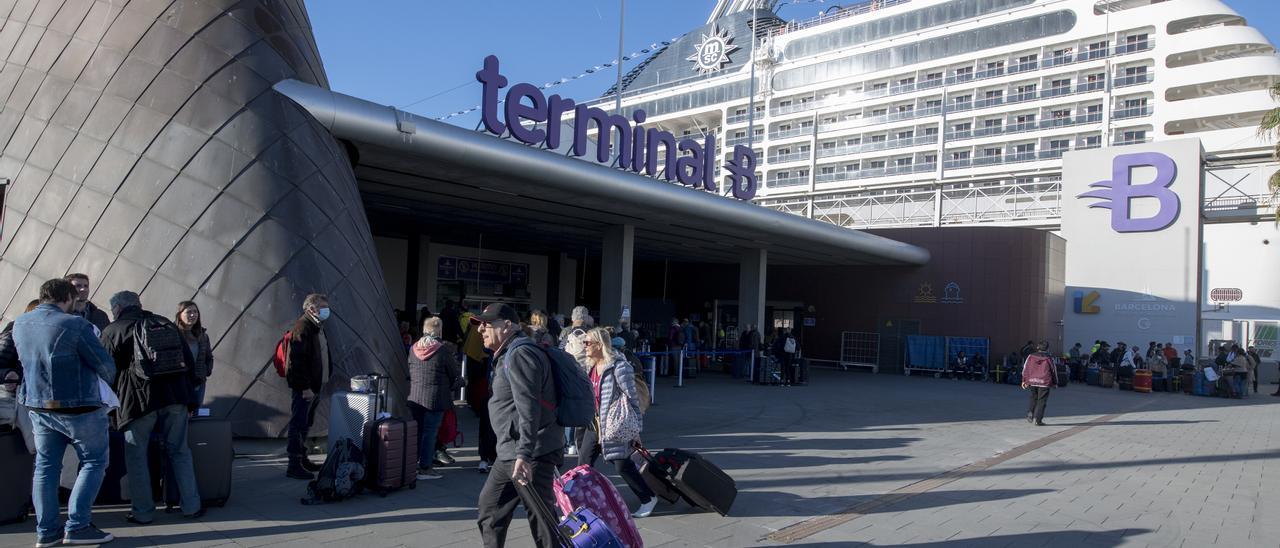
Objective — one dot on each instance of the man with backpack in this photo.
(155, 381)
(1038, 375)
(523, 410)
(306, 365)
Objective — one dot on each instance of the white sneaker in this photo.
(573, 451)
(483, 468)
(424, 475)
(646, 508)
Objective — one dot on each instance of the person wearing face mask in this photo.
(306, 368)
(197, 340)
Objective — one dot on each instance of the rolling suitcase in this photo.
(1106, 378)
(1092, 376)
(578, 529)
(391, 449)
(1187, 382)
(584, 488)
(1064, 374)
(700, 482)
(655, 477)
(1142, 381)
(15, 482)
(350, 414)
(211, 456)
(115, 481)
(1124, 378)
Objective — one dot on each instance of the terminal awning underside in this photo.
(424, 176)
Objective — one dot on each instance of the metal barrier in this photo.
(681, 355)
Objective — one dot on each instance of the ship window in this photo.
(897, 25)
(961, 43)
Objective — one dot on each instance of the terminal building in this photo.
(196, 152)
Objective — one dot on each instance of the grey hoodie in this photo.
(522, 408)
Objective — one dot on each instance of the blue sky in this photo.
(422, 55)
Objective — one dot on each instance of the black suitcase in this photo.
(211, 456)
(15, 482)
(115, 481)
(1064, 374)
(700, 482)
(656, 477)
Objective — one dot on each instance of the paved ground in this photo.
(854, 459)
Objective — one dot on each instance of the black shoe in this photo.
(1038, 423)
(298, 472)
(310, 466)
(134, 520)
(197, 514)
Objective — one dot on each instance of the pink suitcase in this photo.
(585, 487)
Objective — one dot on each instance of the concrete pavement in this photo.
(853, 459)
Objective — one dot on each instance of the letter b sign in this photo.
(1117, 194)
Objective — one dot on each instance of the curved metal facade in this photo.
(146, 148)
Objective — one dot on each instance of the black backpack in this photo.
(157, 348)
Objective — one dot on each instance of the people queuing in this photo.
(196, 338)
(434, 376)
(308, 363)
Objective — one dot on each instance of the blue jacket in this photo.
(62, 360)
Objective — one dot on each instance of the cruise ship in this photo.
(901, 113)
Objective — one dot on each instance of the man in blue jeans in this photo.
(63, 367)
(156, 382)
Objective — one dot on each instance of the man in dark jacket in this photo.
(163, 401)
(306, 369)
(530, 443)
(83, 307)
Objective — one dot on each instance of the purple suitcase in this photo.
(580, 529)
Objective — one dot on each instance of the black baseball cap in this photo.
(496, 311)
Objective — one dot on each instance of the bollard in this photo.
(751, 373)
(653, 381)
(462, 392)
(680, 370)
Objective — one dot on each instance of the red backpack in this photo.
(281, 357)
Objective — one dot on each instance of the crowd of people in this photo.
(85, 376)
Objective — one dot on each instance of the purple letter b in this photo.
(1118, 193)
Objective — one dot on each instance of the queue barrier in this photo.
(690, 360)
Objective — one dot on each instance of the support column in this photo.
(414, 264)
(616, 270)
(752, 270)
(568, 284)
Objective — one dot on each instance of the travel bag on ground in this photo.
(1106, 378)
(1142, 381)
(1124, 378)
(585, 488)
(15, 482)
(1187, 382)
(341, 476)
(1093, 376)
(1064, 373)
(211, 456)
(391, 451)
(350, 414)
(655, 477)
(700, 482)
(115, 481)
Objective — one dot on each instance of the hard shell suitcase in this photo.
(1092, 376)
(392, 453)
(585, 488)
(115, 481)
(15, 482)
(1064, 373)
(1187, 382)
(1106, 378)
(578, 529)
(1142, 381)
(1124, 378)
(700, 482)
(350, 414)
(211, 456)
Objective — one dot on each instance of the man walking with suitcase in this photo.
(1038, 376)
(156, 382)
(307, 363)
(530, 442)
(63, 366)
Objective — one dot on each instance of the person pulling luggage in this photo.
(1038, 376)
(618, 427)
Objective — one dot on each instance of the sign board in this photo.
(535, 119)
(461, 268)
(810, 321)
(1130, 215)
(1226, 295)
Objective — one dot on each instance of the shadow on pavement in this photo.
(775, 504)
(1101, 539)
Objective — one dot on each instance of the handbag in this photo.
(622, 423)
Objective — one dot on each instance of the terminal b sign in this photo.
(535, 119)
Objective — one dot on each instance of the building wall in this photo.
(146, 148)
(1006, 281)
